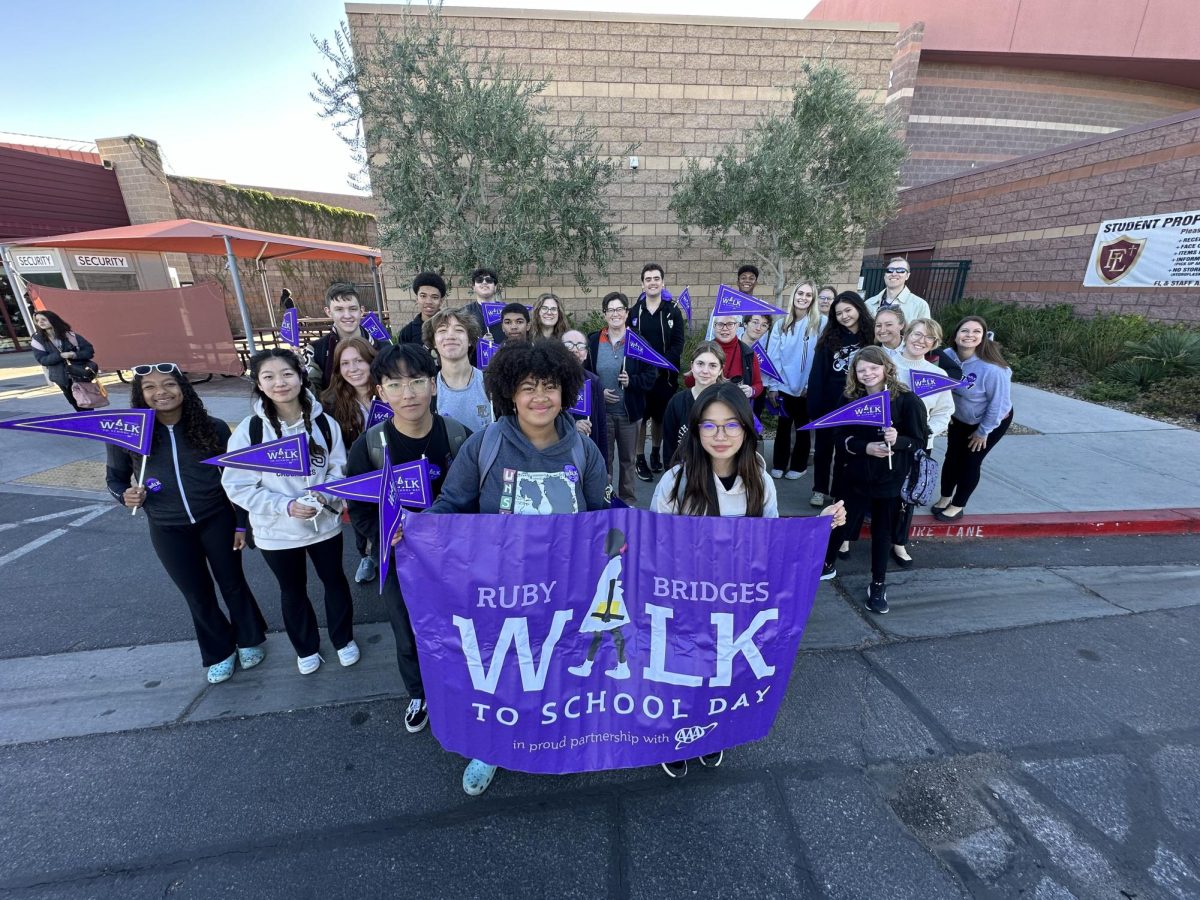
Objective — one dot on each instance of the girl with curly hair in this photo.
(194, 528)
(291, 522)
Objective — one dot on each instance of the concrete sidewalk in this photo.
(1072, 468)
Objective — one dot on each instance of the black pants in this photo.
(960, 472)
(298, 616)
(903, 524)
(795, 414)
(884, 512)
(189, 553)
(822, 459)
(406, 642)
(65, 387)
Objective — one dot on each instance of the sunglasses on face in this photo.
(896, 271)
(485, 279)
(164, 368)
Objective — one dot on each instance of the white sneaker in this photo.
(308, 664)
(349, 654)
(817, 499)
(777, 474)
(793, 475)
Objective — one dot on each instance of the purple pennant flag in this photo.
(774, 408)
(408, 485)
(758, 426)
(484, 351)
(685, 302)
(132, 429)
(289, 329)
(416, 491)
(764, 362)
(492, 313)
(735, 303)
(373, 327)
(637, 348)
(286, 456)
(379, 412)
(874, 409)
(583, 406)
(926, 383)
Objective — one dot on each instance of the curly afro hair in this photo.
(544, 359)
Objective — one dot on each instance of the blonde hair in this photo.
(879, 357)
(812, 318)
(931, 327)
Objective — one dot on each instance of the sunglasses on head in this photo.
(164, 368)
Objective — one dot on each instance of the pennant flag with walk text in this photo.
(132, 429)
(416, 490)
(484, 351)
(373, 327)
(492, 313)
(685, 302)
(406, 485)
(637, 348)
(926, 383)
(764, 362)
(874, 409)
(286, 456)
(289, 329)
(735, 303)
(379, 412)
(583, 406)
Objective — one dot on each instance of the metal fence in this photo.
(939, 281)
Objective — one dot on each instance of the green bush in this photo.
(1174, 352)
(1106, 391)
(1103, 342)
(1177, 397)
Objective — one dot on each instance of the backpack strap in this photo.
(256, 430)
(326, 431)
(456, 434)
(489, 450)
(374, 445)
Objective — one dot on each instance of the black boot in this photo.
(643, 470)
(656, 463)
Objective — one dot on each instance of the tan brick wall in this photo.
(678, 86)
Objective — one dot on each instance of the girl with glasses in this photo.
(193, 527)
(549, 319)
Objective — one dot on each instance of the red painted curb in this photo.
(1064, 524)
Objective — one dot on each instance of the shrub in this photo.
(1177, 397)
(1106, 391)
(1103, 342)
(1173, 352)
(1139, 373)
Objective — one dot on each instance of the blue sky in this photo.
(223, 86)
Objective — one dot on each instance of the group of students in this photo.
(515, 414)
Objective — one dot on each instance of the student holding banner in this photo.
(291, 523)
(708, 363)
(793, 349)
(348, 400)
(982, 414)
(876, 462)
(343, 306)
(849, 327)
(430, 289)
(452, 334)
(531, 462)
(193, 526)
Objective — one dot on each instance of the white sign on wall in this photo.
(85, 261)
(1159, 250)
(26, 261)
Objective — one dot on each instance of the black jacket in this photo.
(190, 489)
(665, 330)
(50, 354)
(411, 333)
(641, 378)
(827, 380)
(869, 476)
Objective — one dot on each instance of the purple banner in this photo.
(373, 327)
(764, 362)
(685, 302)
(289, 329)
(604, 640)
(758, 425)
(415, 489)
(484, 351)
(492, 313)
(132, 429)
(404, 482)
(735, 303)
(286, 456)
(379, 412)
(637, 348)
(926, 383)
(583, 406)
(775, 409)
(874, 409)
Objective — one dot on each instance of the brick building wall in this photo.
(680, 87)
(964, 116)
(1028, 224)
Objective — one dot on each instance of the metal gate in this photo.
(940, 281)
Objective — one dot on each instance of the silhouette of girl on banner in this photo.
(607, 612)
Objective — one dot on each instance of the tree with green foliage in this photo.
(460, 154)
(804, 189)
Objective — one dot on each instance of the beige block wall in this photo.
(678, 86)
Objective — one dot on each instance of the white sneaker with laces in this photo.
(349, 654)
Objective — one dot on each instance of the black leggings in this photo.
(822, 460)
(795, 414)
(299, 619)
(189, 553)
(884, 512)
(960, 472)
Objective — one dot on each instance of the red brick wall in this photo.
(1028, 224)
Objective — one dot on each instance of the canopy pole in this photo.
(241, 296)
(378, 285)
(262, 277)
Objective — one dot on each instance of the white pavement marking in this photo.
(49, 517)
(92, 513)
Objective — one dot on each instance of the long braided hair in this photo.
(293, 362)
(194, 420)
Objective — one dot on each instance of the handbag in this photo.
(89, 394)
(86, 370)
(921, 483)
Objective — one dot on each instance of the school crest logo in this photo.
(1116, 258)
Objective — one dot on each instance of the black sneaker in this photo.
(416, 717)
(712, 760)
(643, 470)
(828, 571)
(656, 464)
(676, 769)
(877, 597)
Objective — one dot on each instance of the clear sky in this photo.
(222, 85)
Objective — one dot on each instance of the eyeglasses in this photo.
(164, 368)
(613, 309)
(404, 385)
(575, 345)
(729, 428)
(896, 271)
(921, 337)
(485, 279)
(724, 324)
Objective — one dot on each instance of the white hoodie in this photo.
(792, 353)
(266, 495)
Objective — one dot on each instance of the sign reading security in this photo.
(1160, 250)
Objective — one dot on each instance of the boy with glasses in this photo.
(895, 294)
